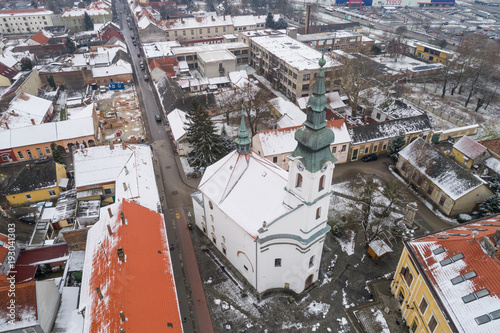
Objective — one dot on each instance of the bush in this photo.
(337, 231)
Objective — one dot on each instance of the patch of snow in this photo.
(318, 308)
(347, 243)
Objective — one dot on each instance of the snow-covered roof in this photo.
(121, 67)
(399, 108)
(380, 247)
(238, 184)
(334, 100)
(469, 147)
(195, 22)
(250, 20)
(472, 271)
(291, 114)
(445, 173)
(282, 140)
(131, 165)
(390, 129)
(239, 78)
(493, 164)
(23, 109)
(25, 12)
(208, 47)
(46, 133)
(159, 49)
(68, 320)
(8, 59)
(216, 56)
(327, 35)
(140, 234)
(177, 121)
(293, 52)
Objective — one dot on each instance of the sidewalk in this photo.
(197, 291)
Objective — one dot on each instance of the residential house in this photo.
(375, 138)
(276, 145)
(120, 242)
(288, 113)
(7, 75)
(492, 164)
(447, 281)
(395, 108)
(26, 110)
(163, 67)
(432, 53)
(336, 103)
(447, 184)
(73, 18)
(110, 30)
(111, 173)
(121, 71)
(36, 304)
(191, 30)
(25, 21)
(190, 53)
(469, 152)
(290, 65)
(159, 50)
(177, 122)
(36, 182)
(41, 38)
(271, 224)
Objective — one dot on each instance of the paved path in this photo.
(197, 292)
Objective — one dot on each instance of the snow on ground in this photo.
(347, 242)
(185, 165)
(373, 321)
(318, 308)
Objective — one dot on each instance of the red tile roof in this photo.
(40, 38)
(492, 145)
(439, 273)
(26, 264)
(26, 305)
(167, 65)
(142, 286)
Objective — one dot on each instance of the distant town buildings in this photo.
(22, 21)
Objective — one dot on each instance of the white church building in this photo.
(271, 224)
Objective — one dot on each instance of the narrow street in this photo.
(172, 184)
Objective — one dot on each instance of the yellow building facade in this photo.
(21, 192)
(430, 53)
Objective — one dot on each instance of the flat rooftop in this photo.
(215, 56)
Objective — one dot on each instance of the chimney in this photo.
(308, 16)
(110, 213)
(213, 18)
(33, 121)
(110, 232)
(99, 293)
(121, 254)
(488, 247)
(122, 216)
(122, 316)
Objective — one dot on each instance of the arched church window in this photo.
(321, 186)
(318, 213)
(298, 184)
(210, 204)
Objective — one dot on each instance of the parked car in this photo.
(369, 157)
(158, 118)
(146, 78)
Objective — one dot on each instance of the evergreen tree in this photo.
(490, 206)
(56, 154)
(26, 64)
(270, 21)
(228, 142)
(89, 23)
(69, 46)
(395, 147)
(50, 80)
(281, 24)
(207, 144)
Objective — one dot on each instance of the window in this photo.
(275, 159)
(5, 157)
(213, 238)
(321, 186)
(52, 193)
(414, 326)
(367, 149)
(423, 305)
(20, 155)
(384, 147)
(305, 87)
(318, 213)
(311, 262)
(192, 32)
(246, 268)
(430, 189)
(432, 323)
(375, 148)
(306, 77)
(175, 33)
(442, 200)
(184, 32)
(39, 152)
(201, 31)
(47, 151)
(334, 150)
(344, 147)
(224, 29)
(28, 196)
(405, 271)
(107, 191)
(298, 184)
(378, 115)
(277, 262)
(208, 30)
(210, 204)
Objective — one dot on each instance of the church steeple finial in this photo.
(243, 139)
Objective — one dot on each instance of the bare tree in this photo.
(255, 104)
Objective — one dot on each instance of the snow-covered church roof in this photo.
(248, 188)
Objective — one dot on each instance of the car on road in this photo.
(158, 118)
(369, 157)
(139, 54)
(146, 78)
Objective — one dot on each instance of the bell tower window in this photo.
(321, 186)
(298, 184)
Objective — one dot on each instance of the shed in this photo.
(378, 248)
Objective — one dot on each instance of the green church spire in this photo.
(314, 138)
(243, 140)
